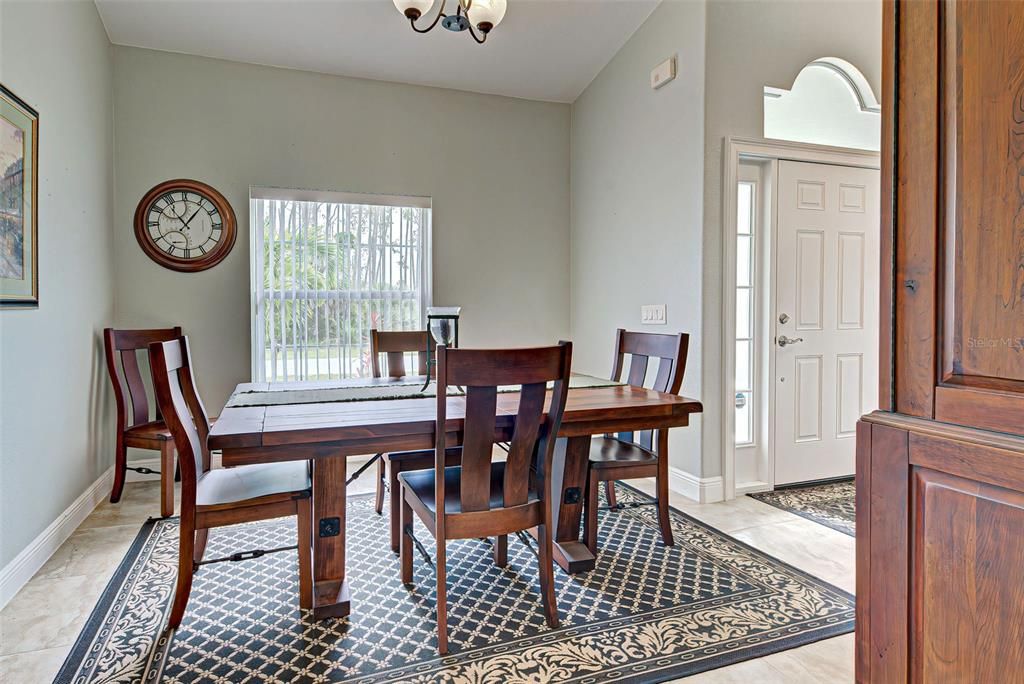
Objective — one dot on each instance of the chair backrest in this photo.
(482, 372)
(396, 345)
(121, 347)
(183, 411)
(670, 350)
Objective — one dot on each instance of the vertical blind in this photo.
(328, 267)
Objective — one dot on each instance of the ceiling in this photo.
(543, 50)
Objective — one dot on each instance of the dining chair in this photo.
(135, 426)
(481, 498)
(225, 496)
(395, 345)
(627, 456)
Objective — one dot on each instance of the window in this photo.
(746, 250)
(829, 103)
(328, 267)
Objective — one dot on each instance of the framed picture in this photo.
(19, 192)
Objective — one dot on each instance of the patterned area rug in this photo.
(831, 504)
(646, 613)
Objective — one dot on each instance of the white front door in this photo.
(825, 317)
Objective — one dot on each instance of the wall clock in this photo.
(185, 225)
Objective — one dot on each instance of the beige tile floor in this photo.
(38, 626)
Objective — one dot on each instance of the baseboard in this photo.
(700, 489)
(752, 487)
(19, 571)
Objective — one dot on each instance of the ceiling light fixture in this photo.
(471, 15)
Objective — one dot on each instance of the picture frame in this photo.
(19, 206)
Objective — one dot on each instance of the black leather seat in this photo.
(422, 484)
(608, 452)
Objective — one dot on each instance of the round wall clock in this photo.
(185, 225)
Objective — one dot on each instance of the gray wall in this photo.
(752, 44)
(55, 413)
(636, 200)
(497, 169)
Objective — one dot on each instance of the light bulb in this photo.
(414, 9)
(486, 14)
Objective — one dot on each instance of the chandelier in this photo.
(476, 16)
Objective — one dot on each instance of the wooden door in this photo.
(940, 472)
(825, 317)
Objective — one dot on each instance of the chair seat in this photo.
(267, 482)
(608, 452)
(155, 429)
(421, 482)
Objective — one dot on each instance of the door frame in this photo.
(737, 150)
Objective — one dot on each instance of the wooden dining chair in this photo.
(481, 498)
(136, 428)
(627, 456)
(227, 496)
(395, 345)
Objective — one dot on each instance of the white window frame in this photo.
(751, 175)
(257, 341)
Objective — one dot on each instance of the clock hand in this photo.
(190, 218)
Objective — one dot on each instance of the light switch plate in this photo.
(653, 314)
(663, 73)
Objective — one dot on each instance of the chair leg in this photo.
(200, 547)
(304, 513)
(442, 599)
(382, 469)
(405, 553)
(590, 512)
(547, 578)
(395, 496)
(661, 486)
(167, 461)
(501, 550)
(120, 469)
(610, 493)
(183, 588)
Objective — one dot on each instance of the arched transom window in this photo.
(830, 103)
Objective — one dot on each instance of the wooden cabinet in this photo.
(940, 471)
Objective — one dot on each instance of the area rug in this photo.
(646, 613)
(831, 504)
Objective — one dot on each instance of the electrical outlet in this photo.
(653, 314)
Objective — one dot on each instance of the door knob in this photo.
(783, 340)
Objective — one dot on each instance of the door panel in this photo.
(827, 295)
(967, 553)
(982, 96)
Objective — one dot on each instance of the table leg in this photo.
(569, 480)
(331, 596)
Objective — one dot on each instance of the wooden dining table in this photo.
(331, 432)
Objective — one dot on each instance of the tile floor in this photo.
(39, 625)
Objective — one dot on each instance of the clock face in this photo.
(185, 225)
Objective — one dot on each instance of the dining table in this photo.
(329, 422)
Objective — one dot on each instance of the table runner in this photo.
(411, 388)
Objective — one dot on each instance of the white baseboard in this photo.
(700, 489)
(19, 571)
(752, 487)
